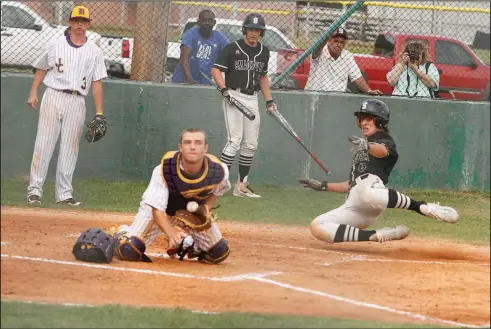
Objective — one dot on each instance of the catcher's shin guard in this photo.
(131, 248)
(218, 253)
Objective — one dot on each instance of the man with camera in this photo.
(414, 75)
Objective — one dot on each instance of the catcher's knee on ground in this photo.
(218, 253)
(130, 248)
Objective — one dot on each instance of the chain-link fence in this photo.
(141, 41)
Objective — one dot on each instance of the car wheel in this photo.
(486, 94)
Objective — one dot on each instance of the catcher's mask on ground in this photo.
(94, 245)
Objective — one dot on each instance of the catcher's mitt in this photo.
(94, 245)
(97, 129)
(199, 220)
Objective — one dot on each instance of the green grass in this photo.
(22, 315)
(297, 206)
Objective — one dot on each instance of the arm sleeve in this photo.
(225, 185)
(222, 60)
(187, 39)
(43, 62)
(157, 194)
(354, 71)
(433, 73)
(265, 71)
(100, 71)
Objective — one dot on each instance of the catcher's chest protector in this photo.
(183, 189)
(94, 245)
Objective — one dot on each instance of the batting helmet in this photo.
(256, 21)
(378, 109)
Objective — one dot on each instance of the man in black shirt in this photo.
(373, 160)
(245, 64)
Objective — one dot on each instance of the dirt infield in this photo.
(271, 269)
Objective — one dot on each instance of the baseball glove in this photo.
(97, 129)
(199, 220)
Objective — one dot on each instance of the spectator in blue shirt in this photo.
(200, 47)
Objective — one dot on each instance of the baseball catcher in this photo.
(96, 128)
(375, 155)
(178, 200)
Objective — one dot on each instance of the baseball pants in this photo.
(242, 133)
(145, 227)
(364, 203)
(60, 114)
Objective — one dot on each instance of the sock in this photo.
(401, 201)
(244, 167)
(350, 233)
(227, 159)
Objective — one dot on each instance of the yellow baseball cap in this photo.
(80, 12)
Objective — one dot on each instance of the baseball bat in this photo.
(282, 121)
(233, 101)
(317, 43)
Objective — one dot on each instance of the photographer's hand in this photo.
(404, 59)
(414, 66)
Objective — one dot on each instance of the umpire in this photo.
(245, 64)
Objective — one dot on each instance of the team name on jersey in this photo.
(245, 65)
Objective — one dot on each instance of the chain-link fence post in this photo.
(150, 41)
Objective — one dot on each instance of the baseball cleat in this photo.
(71, 202)
(243, 189)
(442, 213)
(390, 233)
(33, 199)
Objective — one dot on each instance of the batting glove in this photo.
(271, 107)
(313, 184)
(225, 94)
(359, 143)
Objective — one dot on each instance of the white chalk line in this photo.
(363, 304)
(87, 305)
(4, 243)
(364, 259)
(361, 257)
(240, 277)
(259, 277)
(299, 248)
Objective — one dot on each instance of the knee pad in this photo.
(131, 248)
(218, 253)
(323, 231)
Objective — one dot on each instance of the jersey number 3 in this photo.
(84, 83)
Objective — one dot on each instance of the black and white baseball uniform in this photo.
(243, 66)
(368, 197)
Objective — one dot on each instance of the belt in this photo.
(359, 178)
(245, 91)
(71, 92)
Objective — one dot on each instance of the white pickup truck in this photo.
(25, 35)
(274, 39)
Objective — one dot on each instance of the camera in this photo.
(413, 56)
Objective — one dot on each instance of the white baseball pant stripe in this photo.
(365, 202)
(240, 130)
(60, 114)
(145, 227)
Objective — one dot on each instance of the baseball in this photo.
(192, 206)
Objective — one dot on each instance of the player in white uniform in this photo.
(374, 157)
(189, 174)
(70, 65)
